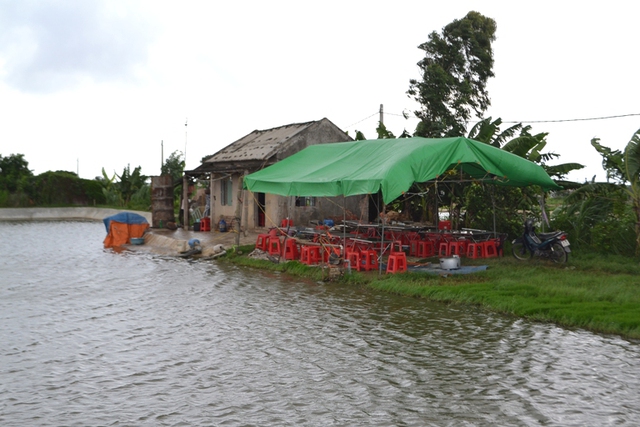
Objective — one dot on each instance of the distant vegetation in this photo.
(19, 187)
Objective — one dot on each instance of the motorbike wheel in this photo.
(558, 255)
(520, 251)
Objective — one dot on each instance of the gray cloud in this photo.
(46, 46)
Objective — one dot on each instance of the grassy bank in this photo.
(601, 294)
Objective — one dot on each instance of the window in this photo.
(305, 201)
(226, 192)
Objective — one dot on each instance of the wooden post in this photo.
(237, 217)
(211, 199)
(245, 204)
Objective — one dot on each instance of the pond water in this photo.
(95, 337)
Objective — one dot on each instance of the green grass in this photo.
(600, 294)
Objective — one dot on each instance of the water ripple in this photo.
(96, 337)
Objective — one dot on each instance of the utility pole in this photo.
(381, 114)
(185, 142)
(161, 155)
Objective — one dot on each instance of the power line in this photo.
(405, 115)
(360, 121)
(575, 120)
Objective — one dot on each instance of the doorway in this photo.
(260, 208)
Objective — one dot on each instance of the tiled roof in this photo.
(258, 145)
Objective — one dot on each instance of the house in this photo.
(261, 148)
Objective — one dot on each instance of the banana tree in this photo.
(519, 140)
(632, 171)
(623, 180)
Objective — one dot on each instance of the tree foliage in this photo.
(606, 215)
(174, 166)
(14, 170)
(131, 184)
(455, 70)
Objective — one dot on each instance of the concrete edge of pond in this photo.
(161, 241)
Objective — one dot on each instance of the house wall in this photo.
(321, 132)
(278, 208)
(218, 209)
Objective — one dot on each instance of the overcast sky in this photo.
(87, 84)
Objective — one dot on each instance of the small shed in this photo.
(226, 169)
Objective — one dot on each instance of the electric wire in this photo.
(586, 119)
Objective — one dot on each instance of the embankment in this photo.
(57, 214)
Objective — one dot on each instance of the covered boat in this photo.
(122, 227)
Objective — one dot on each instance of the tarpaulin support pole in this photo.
(344, 225)
(493, 203)
(384, 216)
(437, 207)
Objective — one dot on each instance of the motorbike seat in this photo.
(547, 236)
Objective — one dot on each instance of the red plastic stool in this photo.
(413, 247)
(369, 260)
(490, 248)
(457, 247)
(205, 224)
(475, 250)
(396, 247)
(262, 242)
(443, 250)
(310, 255)
(354, 260)
(291, 251)
(397, 263)
(426, 249)
(274, 246)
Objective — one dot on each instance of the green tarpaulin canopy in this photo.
(391, 165)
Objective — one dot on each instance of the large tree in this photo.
(455, 71)
(14, 169)
(174, 166)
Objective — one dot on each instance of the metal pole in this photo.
(344, 225)
(384, 210)
(185, 202)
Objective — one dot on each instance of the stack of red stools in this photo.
(426, 249)
(205, 224)
(484, 249)
(290, 251)
(457, 247)
(262, 242)
(369, 259)
(274, 247)
(310, 255)
(397, 261)
(353, 256)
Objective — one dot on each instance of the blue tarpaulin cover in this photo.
(125, 218)
(122, 227)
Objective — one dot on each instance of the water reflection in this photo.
(90, 337)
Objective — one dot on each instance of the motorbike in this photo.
(554, 246)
